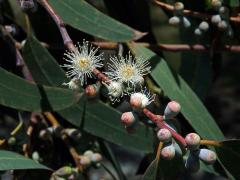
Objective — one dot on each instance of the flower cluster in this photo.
(125, 73)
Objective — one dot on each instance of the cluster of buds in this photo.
(89, 157)
(191, 143)
(196, 154)
(202, 28)
(221, 20)
(46, 134)
(179, 17)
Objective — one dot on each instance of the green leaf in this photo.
(11, 160)
(229, 154)
(104, 121)
(232, 3)
(45, 70)
(20, 94)
(151, 171)
(88, 19)
(177, 89)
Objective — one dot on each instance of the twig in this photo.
(210, 143)
(174, 47)
(51, 119)
(169, 7)
(60, 24)
(161, 124)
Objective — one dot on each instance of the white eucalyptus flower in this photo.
(82, 61)
(115, 90)
(128, 70)
(141, 99)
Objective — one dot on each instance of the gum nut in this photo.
(204, 26)
(207, 156)
(215, 19)
(192, 140)
(174, 20)
(164, 135)
(198, 32)
(168, 152)
(172, 109)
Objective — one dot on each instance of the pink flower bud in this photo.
(91, 91)
(164, 135)
(172, 109)
(128, 118)
(168, 152)
(193, 141)
(207, 156)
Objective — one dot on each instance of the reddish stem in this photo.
(100, 75)
(161, 124)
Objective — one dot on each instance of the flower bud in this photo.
(207, 156)
(215, 19)
(193, 141)
(224, 12)
(64, 172)
(85, 160)
(12, 141)
(88, 153)
(174, 20)
(171, 110)
(216, 4)
(35, 156)
(73, 133)
(178, 8)
(192, 163)
(198, 32)
(139, 100)
(96, 157)
(45, 134)
(186, 22)
(222, 25)
(91, 91)
(128, 118)
(168, 152)
(28, 5)
(204, 26)
(164, 135)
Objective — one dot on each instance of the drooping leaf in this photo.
(20, 94)
(88, 19)
(104, 121)
(151, 171)
(177, 89)
(229, 154)
(45, 70)
(11, 160)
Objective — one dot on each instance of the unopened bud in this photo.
(198, 32)
(85, 160)
(73, 133)
(88, 153)
(96, 157)
(168, 152)
(204, 26)
(45, 134)
(91, 91)
(216, 4)
(186, 22)
(28, 5)
(224, 12)
(222, 25)
(178, 8)
(12, 141)
(172, 109)
(215, 19)
(35, 156)
(174, 20)
(128, 118)
(207, 156)
(64, 172)
(192, 162)
(164, 135)
(193, 141)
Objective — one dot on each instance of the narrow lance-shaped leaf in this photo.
(11, 160)
(20, 94)
(46, 71)
(86, 18)
(103, 121)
